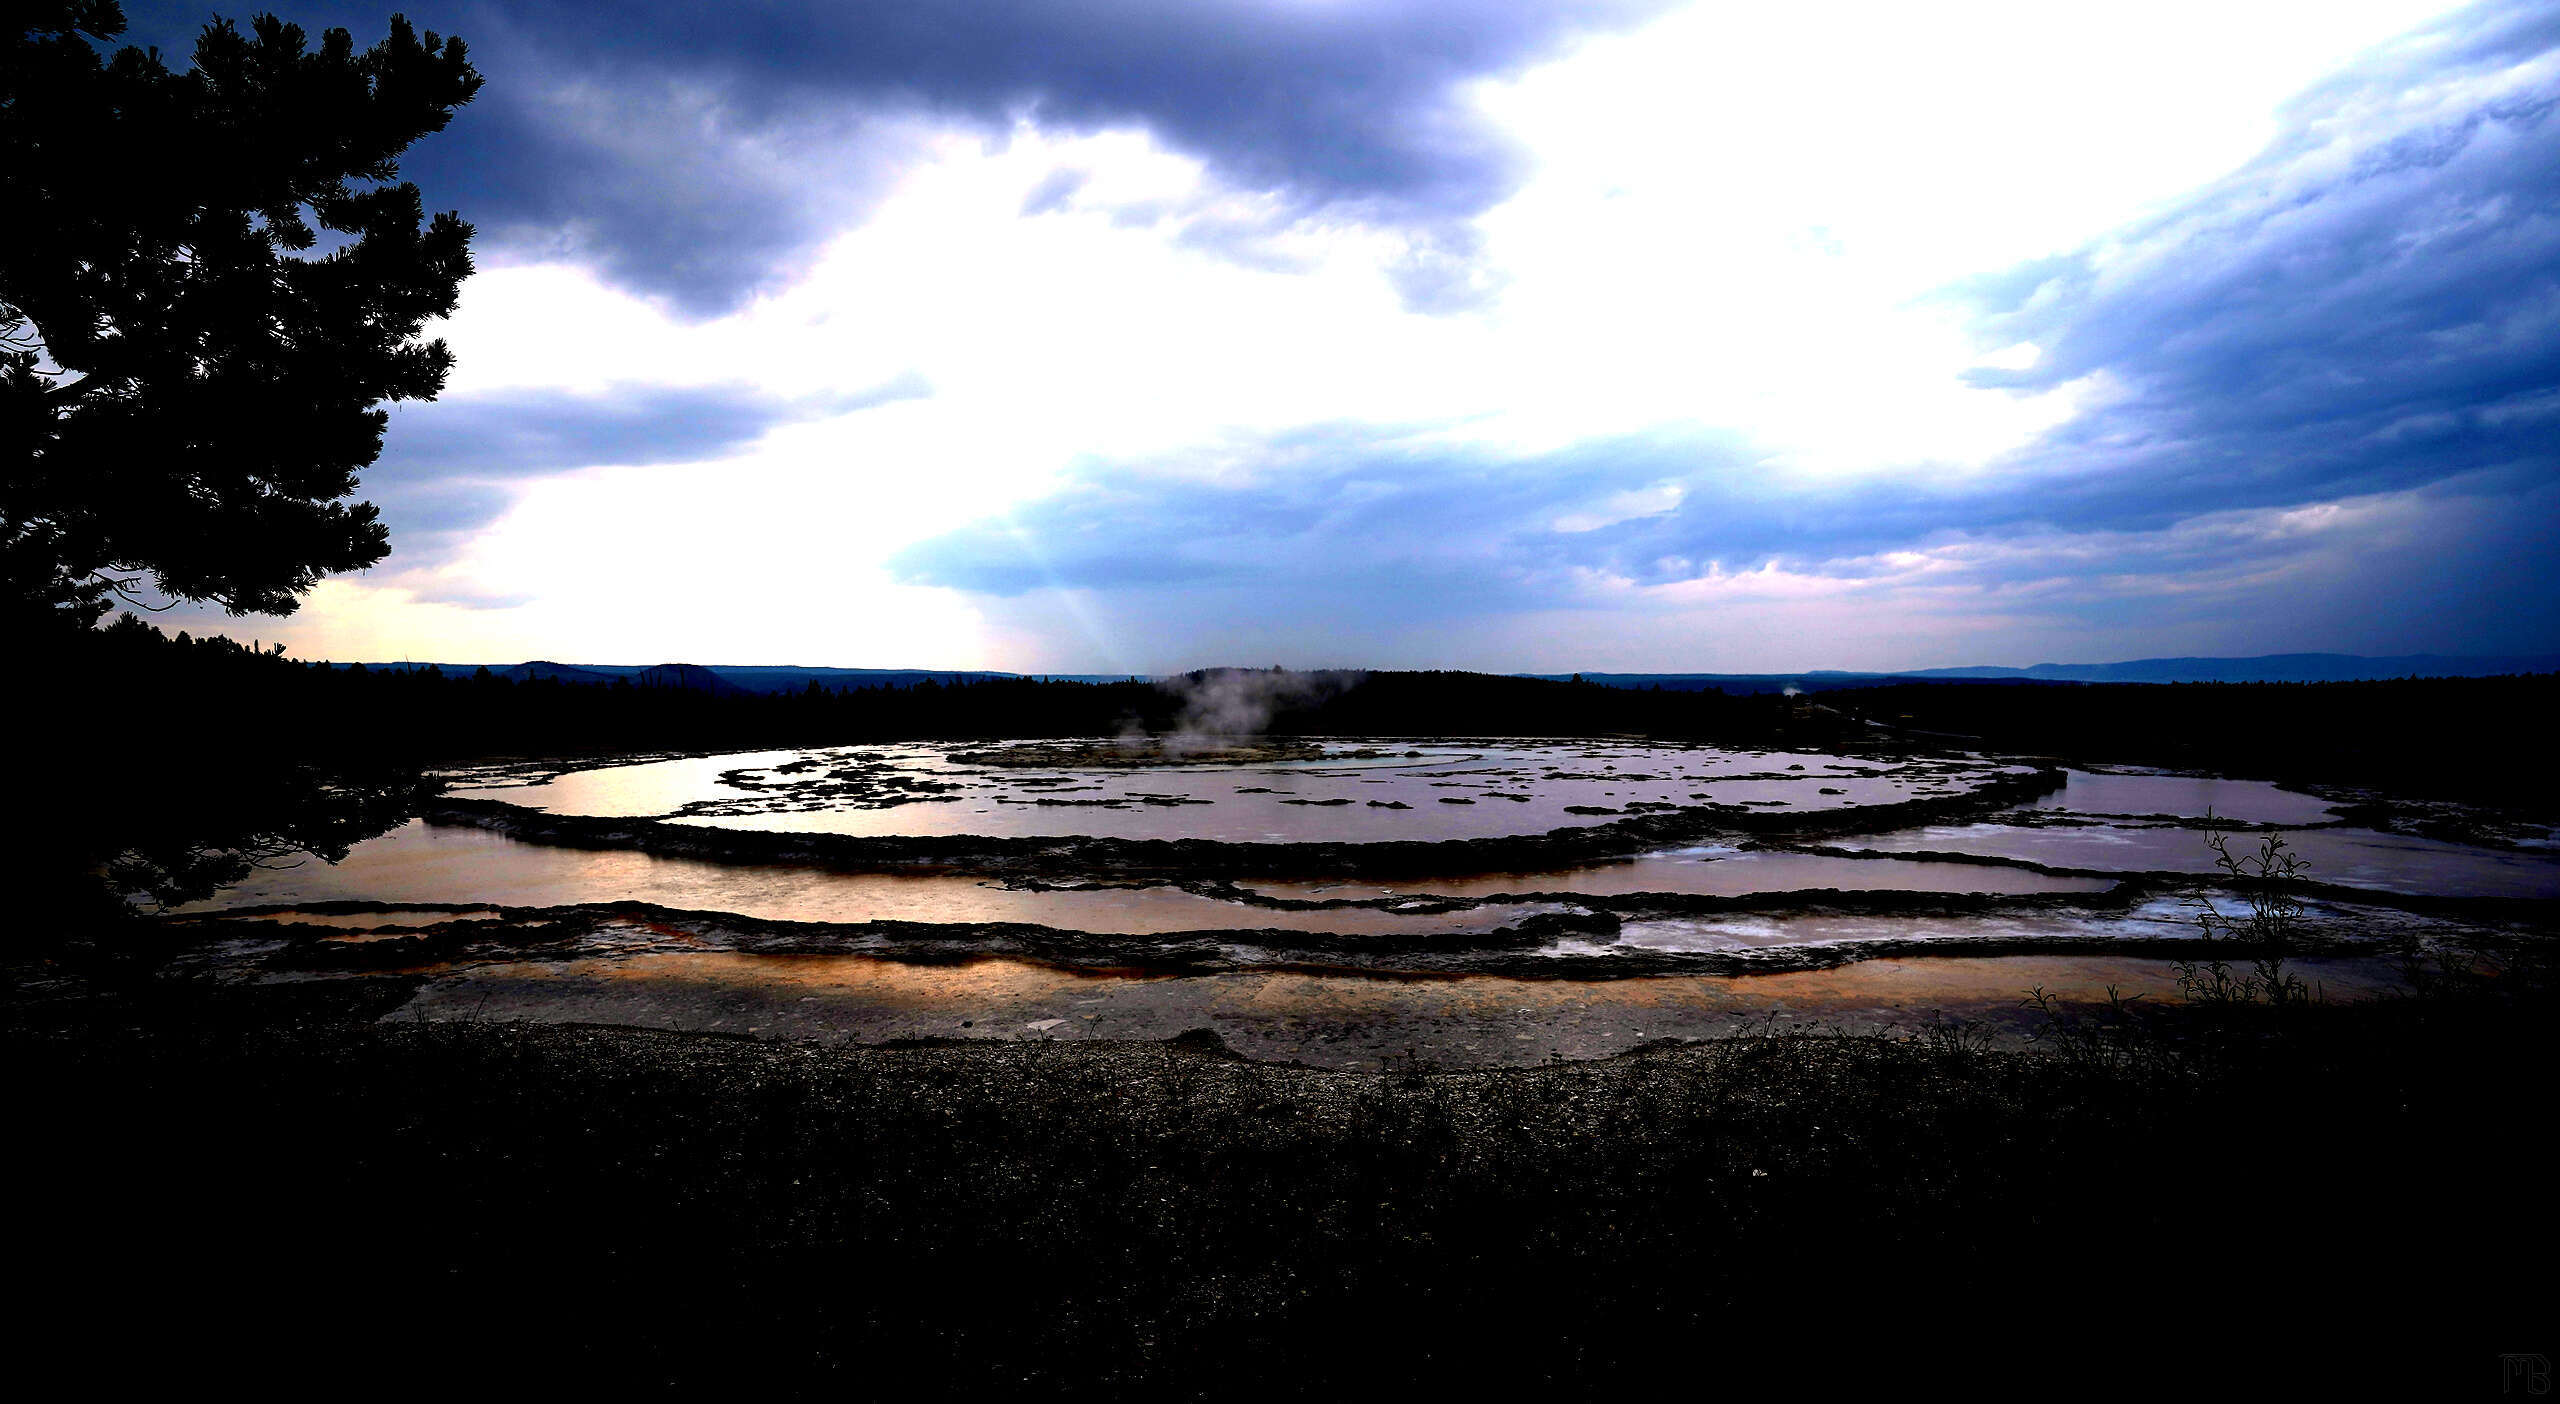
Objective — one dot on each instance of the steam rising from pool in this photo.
(1222, 705)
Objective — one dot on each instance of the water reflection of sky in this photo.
(426, 865)
(1714, 872)
(2347, 856)
(419, 862)
(2249, 801)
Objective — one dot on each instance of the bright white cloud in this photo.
(1734, 223)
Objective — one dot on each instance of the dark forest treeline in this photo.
(2481, 740)
(2451, 736)
(425, 716)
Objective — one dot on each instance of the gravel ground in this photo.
(275, 1185)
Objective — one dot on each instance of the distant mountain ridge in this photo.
(726, 679)
(770, 679)
(2273, 667)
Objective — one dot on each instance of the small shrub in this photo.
(2271, 928)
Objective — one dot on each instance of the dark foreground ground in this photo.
(269, 1189)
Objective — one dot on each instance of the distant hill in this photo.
(689, 676)
(2274, 667)
(769, 679)
(1739, 684)
(722, 678)
(537, 669)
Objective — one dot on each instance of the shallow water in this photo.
(2192, 796)
(1369, 791)
(623, 791)
(1395, 977)
(2346, 856)
(419, 862)
(2162, 918)
(395, 917)
(1710, 871)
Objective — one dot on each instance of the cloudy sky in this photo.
(1104, 335)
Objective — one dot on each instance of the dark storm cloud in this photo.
(1381, 537)
(524, 433)
(699, 152)
(1408, 522)
(2363, 309)
(519, 433)
(1327, 511)
(2368, 314)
